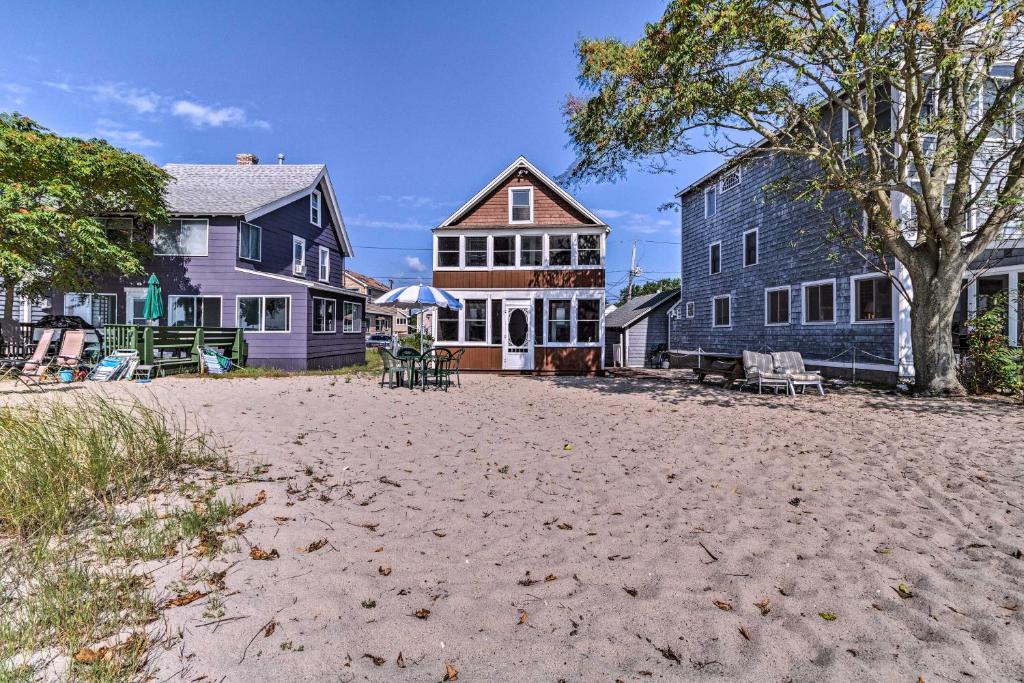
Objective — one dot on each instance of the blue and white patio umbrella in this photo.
(419, 296)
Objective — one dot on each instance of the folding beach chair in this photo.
(10, 366)
(69, 357)
(115, 366)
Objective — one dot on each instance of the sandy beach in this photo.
(602, 529)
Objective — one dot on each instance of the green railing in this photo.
(175, 349)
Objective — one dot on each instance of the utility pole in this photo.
(633, 272)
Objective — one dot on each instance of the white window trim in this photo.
(312, 326)
(173, 297)
(357, 318)
(710, 247)
(854, 279)
(515, 248)
(131, 294)
(519, 189)
(803, 301)
(691, 310)
(482, 296)
(318, 208)
(722, 189)
(263, 311)
(789, 292)
(206, 249)
(707, 191)
(757, 247)
(713, 300)
(519, 253)
(248, 258)
(323, 264)
(572, 250)
(464, 252)
(64, 311)
(544, 234)
(299, 268)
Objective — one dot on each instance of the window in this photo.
(96, 309)
(476, 252)
(117, 230)
(325, 264)
(715, 258)
(250, 241)
(721, 313)
(182, 237)
(264, 313)
(496, 312)
(538, 322)
(135, 304)
(588, 250)
(325, 316)
(588, 320)
(820, 302)
(447, 325)
(298, 255)
(558, 320)
(531, 250)
(731, 179)
(520, 202)
(852, 133)
(710, 202)
(193, 311)
(476, 320)
(691, 309)
(314, 208)
(560, 250)
(776, 306)
(352, 317)
(872, 299)
(448, 252)
(504, 251)
(750, 248)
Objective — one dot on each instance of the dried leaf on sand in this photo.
(384, 571)
(377, 661)
(421, 613)
(523, 616)
(450, 673)
(258, 553)
(764, 605)
(724, 606)
(314, 546)
(185, 599)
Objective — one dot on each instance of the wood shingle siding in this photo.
(548, 207)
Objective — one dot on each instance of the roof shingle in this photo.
(637, 308)
(233, 190)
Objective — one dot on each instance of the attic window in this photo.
(520, 201)
(314, 208)
(731, 179)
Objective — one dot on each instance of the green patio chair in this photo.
(393, 369)
(436, 368)
(456, 361)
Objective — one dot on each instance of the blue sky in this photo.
(412, 105)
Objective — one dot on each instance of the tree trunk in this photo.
(9, 302)
(931, 330)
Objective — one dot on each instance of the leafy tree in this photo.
(880, 100)
(651, 287)
(52, 188)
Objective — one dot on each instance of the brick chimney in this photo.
(246, 159)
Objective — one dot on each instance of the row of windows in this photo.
(518, 251)
(568, 321)
(190, 237)
(750, 252)
(872, 303)
(254, 313)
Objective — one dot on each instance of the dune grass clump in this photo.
(63, 462)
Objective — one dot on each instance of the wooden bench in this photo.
(170, 349)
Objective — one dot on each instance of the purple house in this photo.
(261, 247)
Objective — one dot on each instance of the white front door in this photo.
(517, 335)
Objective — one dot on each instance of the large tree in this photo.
(649, 287)
(910, 107)
(52, 189)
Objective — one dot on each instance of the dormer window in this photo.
(520, 205)
(314, 208)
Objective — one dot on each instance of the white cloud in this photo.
(363, 221)
(413, 201)
(117, 135)
(14, 92)
(142, 101)
(202, 116)
(640, 223)
(414, 264)
(63, 86)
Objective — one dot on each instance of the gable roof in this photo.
(248, 191)
(637, 308)
(366, 280)
(520, 162)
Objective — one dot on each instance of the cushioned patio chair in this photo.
(393, 369)
(759, 369)
(791, 363)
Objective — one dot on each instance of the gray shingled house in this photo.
(633, 331)
(261, 247)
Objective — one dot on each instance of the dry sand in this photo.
(583, 530)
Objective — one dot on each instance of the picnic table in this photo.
(703, 363)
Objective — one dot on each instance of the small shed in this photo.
(636, 328)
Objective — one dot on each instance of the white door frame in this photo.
(516, 357)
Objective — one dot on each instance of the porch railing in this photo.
(16, 340)
(175, 349)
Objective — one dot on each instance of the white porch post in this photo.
(1012, 306)
(903, 344)
(972, 298)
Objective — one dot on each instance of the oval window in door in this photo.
(517, 327)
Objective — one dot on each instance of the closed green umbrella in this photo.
(153, 309)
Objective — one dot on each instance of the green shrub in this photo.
(989, 363)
